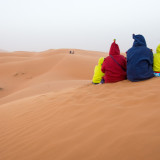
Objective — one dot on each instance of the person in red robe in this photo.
(114, 65)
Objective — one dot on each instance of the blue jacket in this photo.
(139, 60)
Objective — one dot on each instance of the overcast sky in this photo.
(37, 25)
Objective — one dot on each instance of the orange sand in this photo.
(49, 110)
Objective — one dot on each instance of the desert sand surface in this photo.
(49, 110)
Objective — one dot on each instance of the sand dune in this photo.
(36, 73)
(50, 110)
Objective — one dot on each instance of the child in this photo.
(98, 74)
(156, 62)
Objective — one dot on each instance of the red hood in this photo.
(114, 50)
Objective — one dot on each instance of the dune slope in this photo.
(24, 75)
(118, 121)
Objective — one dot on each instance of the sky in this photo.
(38, 25)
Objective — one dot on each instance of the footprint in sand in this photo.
(21, 74)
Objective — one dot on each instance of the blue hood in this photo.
(139, 60)
(139, 40)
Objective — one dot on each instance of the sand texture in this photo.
(49, 110)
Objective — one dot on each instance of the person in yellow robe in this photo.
(98, 74)
(156, 62)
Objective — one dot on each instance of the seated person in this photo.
(139, 60)
(156, 62)
(98, 75)
(114, 65)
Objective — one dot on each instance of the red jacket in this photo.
(113, 72)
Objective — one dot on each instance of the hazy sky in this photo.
(37, 25)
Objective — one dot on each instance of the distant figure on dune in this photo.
(98, 74)
(114, 66)
(156, 62)
(71, 52)
(139, 60)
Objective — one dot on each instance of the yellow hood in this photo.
(156, 60)
(158, 49)
(100, 62)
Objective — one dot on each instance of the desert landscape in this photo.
(50, 110)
